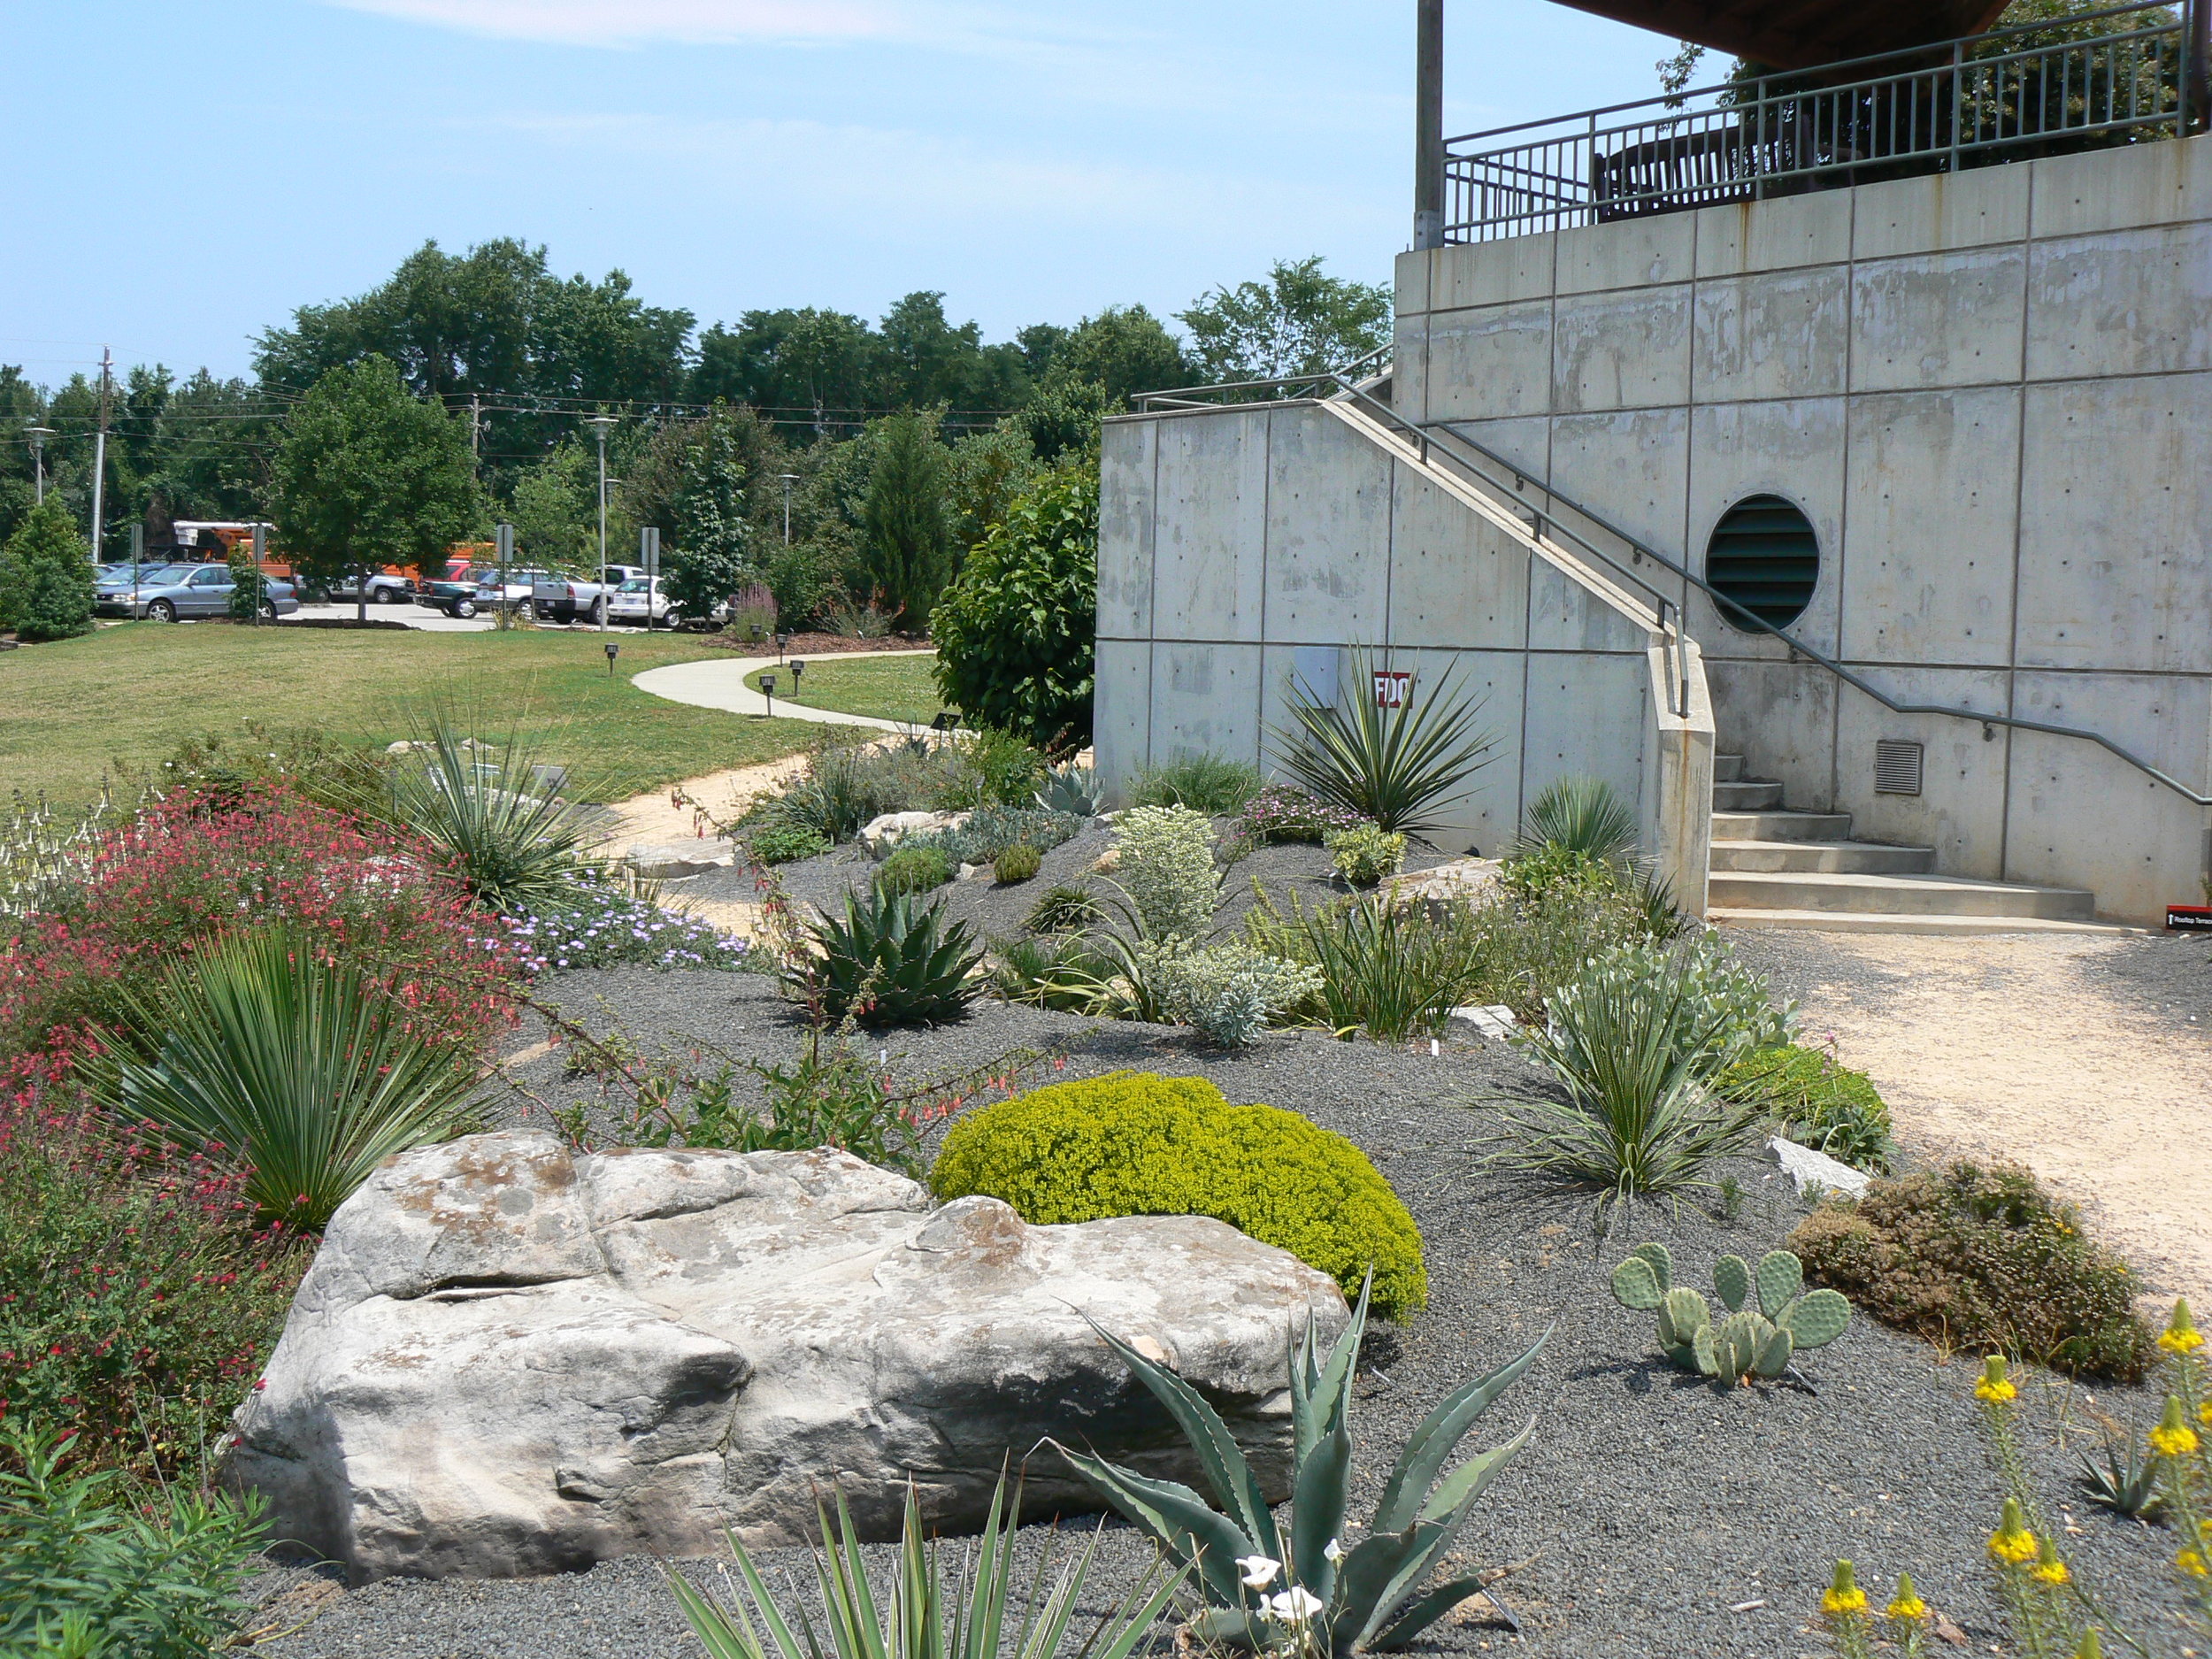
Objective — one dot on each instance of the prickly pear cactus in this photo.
(1781, 1278)
(1816, 1318)
(1756, 1340)
(1681, 1316)
(1732, 1278)
(1643, 1279)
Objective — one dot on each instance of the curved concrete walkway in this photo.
(733, 684)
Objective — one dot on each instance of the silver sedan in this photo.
(199, 590)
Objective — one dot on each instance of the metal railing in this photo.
(1546, 516)
(2122, 75)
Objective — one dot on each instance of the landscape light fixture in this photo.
(599, 425)
(39, 434)
(797, 668)
(768, 690)
(614, 649)
(782, 639)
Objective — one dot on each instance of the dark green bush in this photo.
(1137, 1144)
(1210, 784)
(885, 963)
(1017, 863)
(1001, 770)
(1817, 1101)
(46, 576)
(917, 869)
(782, 843)
(83, 1571)
(1979, 1257)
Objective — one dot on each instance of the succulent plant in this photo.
(888, 962)
(1756, 1341)
(2122, 1478)
(1071, 788)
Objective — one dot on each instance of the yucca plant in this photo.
(300, 1069)
(887, 961)
(1580, 815)
(1395, 766)
(1303, 1589)
(971, 1616)
(489, 806)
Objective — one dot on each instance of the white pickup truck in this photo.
(568, 598)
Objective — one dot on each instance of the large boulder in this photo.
(508, 1360)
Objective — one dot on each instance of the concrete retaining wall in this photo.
(1991, 394)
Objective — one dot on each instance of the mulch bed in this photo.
(816, 644)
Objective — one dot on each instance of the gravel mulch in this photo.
(1651, 1514)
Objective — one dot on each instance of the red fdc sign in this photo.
(1390, 688)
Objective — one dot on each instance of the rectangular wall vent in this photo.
(1896, 766)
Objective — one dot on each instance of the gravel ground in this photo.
(1651, 1515)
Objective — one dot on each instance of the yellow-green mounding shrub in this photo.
(1134, 1143)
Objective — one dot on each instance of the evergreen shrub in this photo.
(1134, 1143)
(46, 577)
(914, 869)
(1017, 863)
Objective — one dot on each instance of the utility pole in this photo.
(476, 430)
(38, 436)
(790, 478)
(100, 454)
(599, 424)
(1428, 127)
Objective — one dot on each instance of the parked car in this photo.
(566, 598)
(456, 598)
(630, 603)
(118, 596)
(204, 590)
(384, 589)
(521, 585)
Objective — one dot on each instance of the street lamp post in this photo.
(599, 425)
(790, 478)
(39, 434)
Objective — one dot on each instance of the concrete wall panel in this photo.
(1933, 481)
(1586, 715)
(1205, 700)
(1564, 615)
(1455, 580)
(1489, 363)
(1411, 281)
(1744, 237)
(1780, 717)
(1637, 462)
(1127, 452)
(1793, 450)
(2122, 189)
(1212, 517)
(1121, 709)
(1960, 808)
(1782, 334)
(1639, 253)
(1328, 531)
(2138, 303)
(1940, 212)
(1492, 272)
(1409, 364)
(2117, 575)
(1620, 350)
(1525, 443)
(1941, 319)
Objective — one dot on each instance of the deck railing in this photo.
(2126, 74)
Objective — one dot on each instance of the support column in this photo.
(1428, 128)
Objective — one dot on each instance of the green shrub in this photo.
(920, 868)
(86, 1573)
(1231, 992)
(1210, 784)
(1167, 870)
(1000, 769)
(1062, 909)
(884, 963)
(847, 785)
(1979, 1257)
(1051, 970)
(46, 576)
(1016, 631)
(1282, 812)
(784, 843)
(1138, 1144)
(1392, 970)
(1817, 1101)
(1019, 863)
(990, 830)
(1364, 855)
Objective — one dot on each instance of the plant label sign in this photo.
(1390, 688)
(2195, 918)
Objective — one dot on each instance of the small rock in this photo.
(1492, 1019)
(670, 863)
(1816, 1171)
(893, 828)
(969, 872)
(1462, 879)
(404, 746)
(1107, 862)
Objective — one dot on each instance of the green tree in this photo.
(369, 475)
(984, 472)
(555, 509)
(905, 544)
(245, 583)
(1298, 321)
(1125, 348)
(46, 576)
(1063, 417)
(1014, 633)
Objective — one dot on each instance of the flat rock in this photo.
(1810, 1170)
(1461, 878)
(673, 863)
(507, 1359)
(892, 827)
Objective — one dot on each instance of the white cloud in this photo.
(719, 22)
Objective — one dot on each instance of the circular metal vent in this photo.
(1764, 559)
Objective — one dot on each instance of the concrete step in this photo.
(1727, 768)
(1876, 922)
(1835, 857)
(1895, 895)
(1744, 795)
(1781, 826)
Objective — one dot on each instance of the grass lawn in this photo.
(888, 688)
(128, 695)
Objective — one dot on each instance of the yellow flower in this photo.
(2048, 1568)
(1994, 1388)
(2190, 1561)
(2182, 1336)
(1905, 1607)
(2204, 1414)
(1844, 1598)
(2173, 1436)
(2012, 1543)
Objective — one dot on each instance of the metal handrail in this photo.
(1192, 397)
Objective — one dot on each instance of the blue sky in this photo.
(183, 173)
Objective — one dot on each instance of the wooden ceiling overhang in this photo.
(1803, 33)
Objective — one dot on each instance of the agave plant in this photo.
(1071, 788)
(489, 807)
(927, 1617)
(2123, 1477)
(888, 962)
(1395, 766)
(1264, 1588)
(302, 1068)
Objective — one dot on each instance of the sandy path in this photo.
(2014, 1046)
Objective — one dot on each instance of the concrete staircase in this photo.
(1775, 868)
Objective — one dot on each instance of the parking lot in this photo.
(431, 621)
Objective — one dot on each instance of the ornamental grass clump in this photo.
(1391, 970)
(1212, 785)
(490, 810)
(1134, 1143)
(1301, 1589)
(917, 868)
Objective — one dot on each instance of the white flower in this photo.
(1334, 1554)
(1295, 1605)
(1259, 1570)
